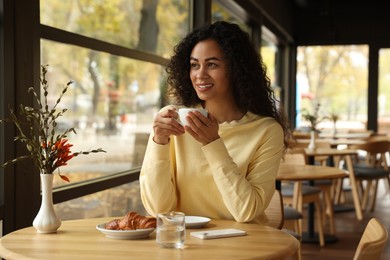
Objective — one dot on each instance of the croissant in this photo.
(131, 221)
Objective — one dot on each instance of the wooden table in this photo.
(79, 239)
(333, 142)
(362, 135)
(293, 172)
(346, 155)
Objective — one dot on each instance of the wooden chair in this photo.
(275, 215)
(297, 156)
(275, 212)
(374, 168)
(299, 194)
(373, 241)
(328, 189)
(304, 194)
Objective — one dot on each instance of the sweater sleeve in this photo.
(158, 192)
(247, 195)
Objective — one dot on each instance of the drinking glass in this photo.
(171, 230)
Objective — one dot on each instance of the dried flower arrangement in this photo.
(37, 130)
(314, 119)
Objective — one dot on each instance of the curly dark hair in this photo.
(251, 86)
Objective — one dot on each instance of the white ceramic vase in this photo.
(47, 220)
(334, 131)
(312, 144)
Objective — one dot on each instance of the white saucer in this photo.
(196, 222)
(124, 234)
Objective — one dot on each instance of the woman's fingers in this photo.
(203, 129)
(165, 123)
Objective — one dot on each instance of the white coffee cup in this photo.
(183, 112)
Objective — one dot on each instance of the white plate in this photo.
(124, 234)
(196, 222)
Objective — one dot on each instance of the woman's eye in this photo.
(212, 65)
(194, 65)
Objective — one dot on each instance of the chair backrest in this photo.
(373, 241)
(376, 152)
(295, 156)
(381, 146)
(376, 138)
(275, 212)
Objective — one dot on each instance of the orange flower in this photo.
(62, 153)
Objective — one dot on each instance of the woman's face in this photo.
(209, 72)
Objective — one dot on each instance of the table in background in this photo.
(346, 155)
(79, 239)
(334, 143)
(357, 135)
(293, 172)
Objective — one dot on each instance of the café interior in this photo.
(328, 55)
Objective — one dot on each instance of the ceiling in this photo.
(341, 21)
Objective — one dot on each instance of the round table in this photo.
(79, 239)
(334, 143)
(294, 172)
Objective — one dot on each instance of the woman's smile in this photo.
(204, 86)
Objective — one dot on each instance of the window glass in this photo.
(220, 13)
(336, 78)
(111, 104)
(2, 116)
(269, 52)
(112, 202)
(384, 92)
(152, 26)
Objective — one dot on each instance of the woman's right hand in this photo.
(165, 124)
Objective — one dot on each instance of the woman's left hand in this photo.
(203, 129)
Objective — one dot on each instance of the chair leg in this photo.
(388, 182)
(374, 195)
(298, 254)
(361, 188)
(354, 187)
(298, 204)
(328, 212)
(338, 190)
(366, 194)
(319, 222)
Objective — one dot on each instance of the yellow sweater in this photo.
(230, 178)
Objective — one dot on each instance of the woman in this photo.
(221, 166)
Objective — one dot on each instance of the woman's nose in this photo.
(202, 72)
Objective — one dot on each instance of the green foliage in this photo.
(336, 77)
(313, 118)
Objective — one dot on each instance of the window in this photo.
(269, 53)
(151, 26)
(113, 99)
(2, 115)
(111, 104)
(230, 12)
(384, 92)
(336, 78)
(115, 53)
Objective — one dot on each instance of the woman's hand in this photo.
(165, 124)
(203, 129)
